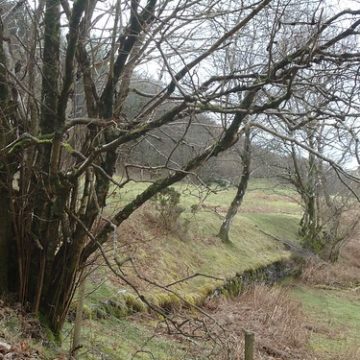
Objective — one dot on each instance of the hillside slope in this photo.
(160, 257)
(313, 318)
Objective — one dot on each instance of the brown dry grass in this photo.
(351, 251)
(280, 326)
(337, 275)
(17, 333)
(343, 274)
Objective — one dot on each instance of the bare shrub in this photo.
(278, 314)
(351, 252)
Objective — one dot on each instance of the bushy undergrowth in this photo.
(22, 336)
(167, 202)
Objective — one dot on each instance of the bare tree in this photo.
(57, 161)
(326, 198)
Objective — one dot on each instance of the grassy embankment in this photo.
(166, 256)
(331, 316)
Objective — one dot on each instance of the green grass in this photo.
(261, 193)
(337, 312)
(203, 252)
(168, 257)
(282, 226)
(124, 339)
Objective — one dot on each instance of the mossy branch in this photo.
(26, 140)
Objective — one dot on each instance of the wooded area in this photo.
(96, 94)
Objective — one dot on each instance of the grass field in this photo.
(114, 338)
(161, 257)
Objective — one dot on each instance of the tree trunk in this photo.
(7, 113)
(235, 204)
(79, 315)
(5, 240)
(311, 223)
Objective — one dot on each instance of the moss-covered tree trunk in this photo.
(310, 226)
(241, 189)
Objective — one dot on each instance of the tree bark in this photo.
(5, 240)
(79, 316)
(310, 224)
(241, 189)
(7, 110)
